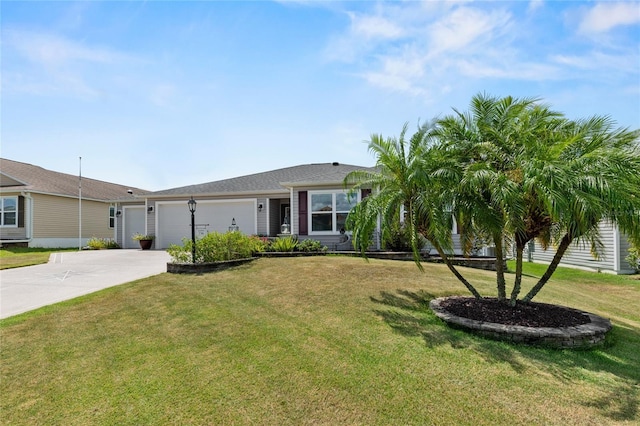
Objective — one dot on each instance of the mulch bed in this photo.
(529, 314)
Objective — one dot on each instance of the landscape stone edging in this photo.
(583, 336)
(199, 268)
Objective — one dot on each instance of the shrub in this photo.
(140, 237)
(311, 246)
(284, 244)
(634, 258)
(215, 247)
(397, 237)
(96, 243)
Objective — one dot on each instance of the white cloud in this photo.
(374, 27)
(42, 63)
(466, 26)
(51, 50)
(535, 5)
(513, 71)
(399, 73)
(427, 49)
(604, 16)
(597, 60)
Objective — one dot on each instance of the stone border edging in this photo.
(199, 268)
(583, 336)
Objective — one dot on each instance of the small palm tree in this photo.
(408, 178)
(510, 170)
(528, 173)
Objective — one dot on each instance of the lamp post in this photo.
(192, 208)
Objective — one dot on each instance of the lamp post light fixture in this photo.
(192, 208)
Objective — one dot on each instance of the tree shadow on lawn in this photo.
(408, 313)
(413, 317)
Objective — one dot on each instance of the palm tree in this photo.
(530, 173)
(598, 177)
(510, 170)
(409, 176)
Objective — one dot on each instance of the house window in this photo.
(9, 211)
(112, 216)
(329, 210)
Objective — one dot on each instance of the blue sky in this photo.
(162, 94)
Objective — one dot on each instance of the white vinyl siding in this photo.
(579, 254)
(173, 219)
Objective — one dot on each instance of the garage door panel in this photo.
(174, 220)
(134, 223)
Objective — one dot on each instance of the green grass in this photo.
(320, 340)
(17, 257)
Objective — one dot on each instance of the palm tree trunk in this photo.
(455, 272)
(562, 248)
(517, 283)
(502, 289)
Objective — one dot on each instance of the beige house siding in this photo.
(57, 217)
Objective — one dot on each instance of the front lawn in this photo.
(317, 340)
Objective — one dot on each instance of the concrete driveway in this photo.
(73, 274)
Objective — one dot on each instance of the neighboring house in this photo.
(615, 248)
(308, 201)
(41, 208)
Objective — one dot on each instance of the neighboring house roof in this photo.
(17, 176)
(275, 181)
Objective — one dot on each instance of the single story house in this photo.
(308, 201)
(43, 208)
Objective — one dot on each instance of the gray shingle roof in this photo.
(271, 181)
(36, 179)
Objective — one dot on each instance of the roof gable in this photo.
(17, 176)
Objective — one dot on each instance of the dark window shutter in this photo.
(303, 227)
(365, 193)
(21, 212)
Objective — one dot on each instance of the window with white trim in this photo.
(9, 211)
(329, 210)
(112, 216)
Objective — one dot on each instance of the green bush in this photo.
(284, 244)
(215, 247)
(397, 237)
(634, 258)
(311, 246)
(96, 243)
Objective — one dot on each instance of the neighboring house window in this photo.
(9, 211)
(112, 217)
(329, 210)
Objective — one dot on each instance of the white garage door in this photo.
(134, 218)
(174, 219)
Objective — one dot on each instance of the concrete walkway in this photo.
(72, 274)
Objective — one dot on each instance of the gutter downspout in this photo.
(29, 218)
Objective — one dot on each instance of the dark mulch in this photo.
(529, 314)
